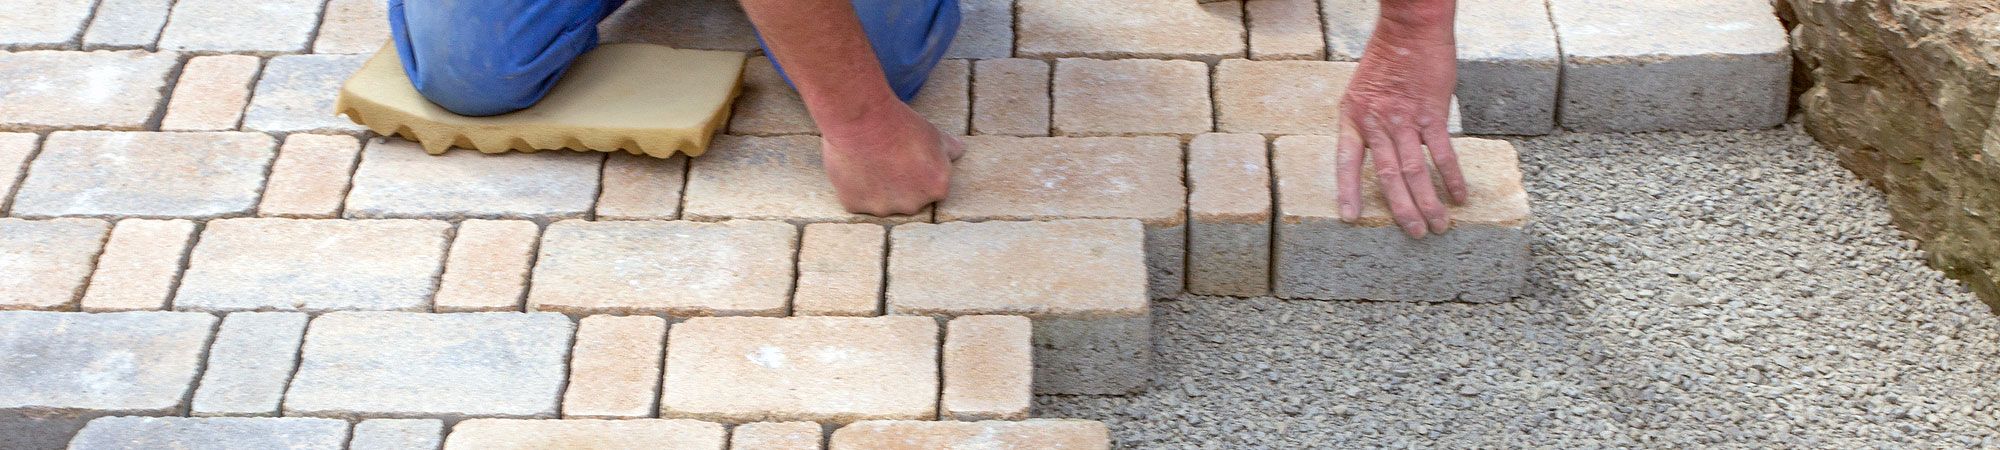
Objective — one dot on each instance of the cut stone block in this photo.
(1082, 281)
(310, 178)
(769, 178)
(63, 369)
(1285, 29)
(1023, 435)
(615, 370)
(634, 434)
(397, 434)
(989, 368)
(249, 364)
(985, 30)
(211, 93)
(421, 365)
(15, 151)
(42, 23)
(1684, 65)
(139, 266)
(840, 270)
(1229, 199)
(126, 24)
(102, 90)
(946, 97)
(1164, 29)
(693, 24)
(777, 436)
(43, 263)
(212, 433)
(313, 265)
(642, 187)
(769, 107)
(1280, 97)
(1010, 97)
(144, 174)
(1008, 178)
(820, 369)
(680, 269)
(241, 26)
(352, 26)
(1131, 96)
(1507, 59)
(487, 269)
(397, 179)
(1483, 258)
(296, 94)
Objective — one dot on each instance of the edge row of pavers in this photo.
(505, 434)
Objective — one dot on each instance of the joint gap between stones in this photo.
(1243, 12)
(882, 283)
(660, 381)
(597, 196)
(186, 260)
(792, 295)
(1049, 127)
(167, 88)
(1014, 29)
(569, 362)
(680, 201)
(1277, 216)
(243, 112)
(298, 361)
(75, 41)
(1562, 66)
(270, 167)
(7, 198)
(75, 302)
(347, 189)
(943, 332)
(437, 275)
(154, 45)
(971, 98)
(528, 277)
(186, 408)
(319, 24)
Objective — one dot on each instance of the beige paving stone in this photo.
(642, 187)
(989, 368)
(840, 270)
(310, 178)
(379, 364)
(1285, 29)
(945, 99)
(1170, 29)
(211, 94)
(820, 369)
(42, 23)
(1682, 65)
(1507, 59)
(352, 26)
(43, 263)
(126, 24)
(139, 265)
(103, 90)
(15, 151)
(1229, 200)
(985, 30)
(146, 174)
(769, 107)
(676, 268)
(777, 436)
(634, 434)
(1280, 97)
(997, 435)
(1131, 96)
(1011, 97)
(397, 434)
(768, 178)
(695, 24)
(487, 269)
(313, 265)
(398, 180)
(614, 371)
(241, 26)
(249, 363)
(74, 367)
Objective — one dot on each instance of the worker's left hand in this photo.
(1396, 107)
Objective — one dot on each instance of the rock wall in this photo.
(1904, 91)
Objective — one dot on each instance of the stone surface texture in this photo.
(1010, 97)
(1507, 60)
(397, 179)
(676, 268)
(1176, 29)
(43, 23)
(1284, 29)
(1280, 97)
(211, 93)
(212, 433)
(1028, 434)
(1691, 65)
(641, 187)
(989, 368)
(101, 90)
(397, 434)
(63, 369)
(310, 178)
(241, 26)
(614, 371)
(985, 30)
(695, 24)
(633, 434)
(487, 269)
(313, 265)
(249, 363)
(840, 270)
(777, 436)
(15, 151)
(1229, 200)
(821, 369)
(768, 178)
(421, 365)
(126, 24)
(139, 266)
(1095, 97)
(44, 263)
(144, 174)
(352, 26)
(296, 92)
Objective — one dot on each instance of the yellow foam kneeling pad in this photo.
(641, 98)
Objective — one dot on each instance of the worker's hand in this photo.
(1395, 107)
(889, 161)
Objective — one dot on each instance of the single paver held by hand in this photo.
(777, 436)
(615, 368)
(487, 269)
(146, 174)
(634, 434)
(140, 265)
(398, 180)
(989, 368)
(1507, 59)
(997, 435)
(314, 265)
(1683, 65)
(423, 365)
(821, 369)
(683, 269)
(310, 178)
(211, 93)
(769, 178)
(397, 434)
(62, 369)
(1229, 200)
(102, 90)
(293, 433)
(44, 263)
(840, 270)
(249, 363)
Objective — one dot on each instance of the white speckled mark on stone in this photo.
(248, 364)
(423, 365)
(146, 174)
(313, 265)
(397, 179)
(43, 263)
(107, 90)
(241, 26)
(218, 433)
(296, 94)
(58, 370)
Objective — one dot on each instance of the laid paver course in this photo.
(1095, 97)
(989, 368)
(313, 265)
(777, 436)
(295, 94)
(487, 268)
(641, 187)
(676, 268)
(63, 369)
(397, 434)
(352, 26)
(1229, 205)
(310, 178)
(43, 263)
(1483, 258)
(146, 174)
(126, 24)
(946, 98)
(42, 23)
(241, 26)
(15, 151)
(768, 178)
(840, 270)
(820, 369)
(631, 434)
(1280, 97)
(1691, 65)
(212, 433)
(211, 93)
(1285, 29)
(1176, 29)
(1082, 281)
(425, 365)
(769, 107)
(139, 265)
(397, 179)
(1010, 97)
(116, 90)
(1507, 60)
(614, 371)
(985, 30)
(694, 24)
(249, 363)
(997, 435)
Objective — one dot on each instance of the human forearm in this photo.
(826, 55)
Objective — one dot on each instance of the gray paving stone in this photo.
(422, 365)
(43, 263)
(682, 269)
(1680, 65)
(296, 94)
(397, 434)
(1507, 60)
(1229, 202)
(146, 174)
(249, 364)
(985, 30)
(398, 180)
(241, 26)
(126, 24)
(32, 24)
(219, 433)
(695, 24)
(59, 370)
(103, 90)
(15, 150)
(314, 265)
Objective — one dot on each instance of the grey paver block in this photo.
(1507, 60)
(989, 368)
(768, 178)
(104, 89)
(642, 187)
(249, 364)
(211, 93)
(676, 268)
(985, 30)
(146, 174)
(43, 263)
(139, 266)
(1010, 97)
(126, 24)
(840, 270)
(635, 434)
(615, 367)
(397, 434)
(15, 150)
(1682, 65)
(313, 265)
(1096, 97)
(397, 179)
(212, 433)
(487, 269)
(1176, 29)
(777, 436)
(996, 435)
(296, 94)
(1229, 202)
(42, 23)
(422, 365)
(821, 369)
(353, 26)
(695, 24)
(310, 178)
(59, 370)
(241, 26)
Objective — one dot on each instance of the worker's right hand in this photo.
(889, 161)
(1398, 106)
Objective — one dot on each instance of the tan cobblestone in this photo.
(986, 30)
(211, 94)
(614, 371)
(821, 369)
(310, 177)
(676, 268)
(989, 368)
(1285, 29)
(996, 435)
(1131, 96)
(487, 269)
(139, 265)
(777, 436)
(946, 99)
(313, 265)
(642, 187)
(1174, 29)
(353, 26)
(146, 174)
(768, 178)
(840, 270)
(43, 263)
(241, 26)
(651, 434)
(101, 90)
(1229, 200)
(1011, 97)
(1280, 97)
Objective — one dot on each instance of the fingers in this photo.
(1347, 171)
(1389, 171)
(1415, 168)
(1446, 160)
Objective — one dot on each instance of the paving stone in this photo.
(1285, 29)
(769, 178)
(769, 107)
(1082, 281)
(1131, 96)
(313, 265)
(1170, 29)
(997, 435)
(63, 369)
(989, 368)
(840, 270)
(642, 187)
(353, 26)
(1009, 178)
(1507, 59)
(695, 24)
(249, 364)
(126, 24)
(211, 93)
(1229, 199)
(145, 174)
(42, 23)
(43, 263)
(676, 268)
(1483, 258)
(310, 178)
(487, 269)
(1010, 97)
(296, 92)
(397, 179)
(633, 434)
(945, 99)
(105, 90)
(241, 26)
(777, 436)
(397, 434)
(422, 365)
(615, 370)
(15, 151)
(1280, 97)
(820, 369)
(139, 265)
(211, 433)
(985, 30)
(1686, 65)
